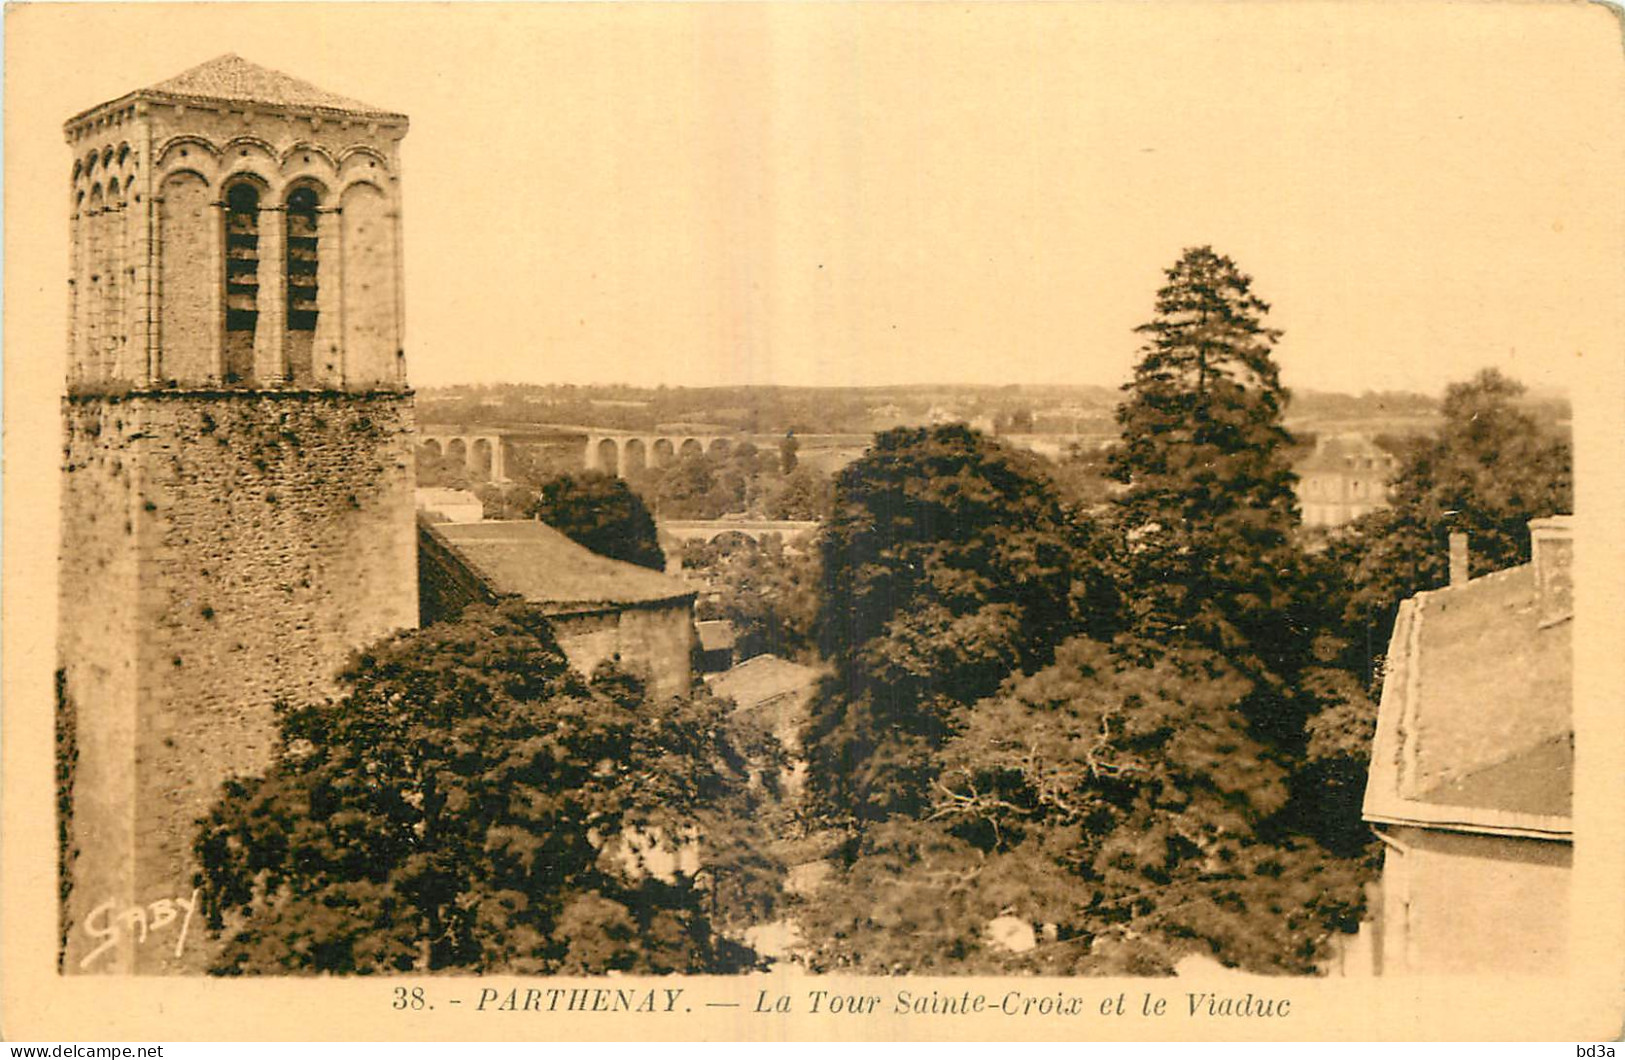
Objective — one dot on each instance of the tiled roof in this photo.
(715, 634)
(1475, 729)
(762, 678)
(532, 560)
(1538, 780)
(233, 79)
(1335, 453)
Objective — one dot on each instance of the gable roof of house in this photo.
(716, 634)
(1475, 730)
(535, 562)
(1537, 780)
(761, 679)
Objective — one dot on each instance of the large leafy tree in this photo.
(1489, 470)
(803, 493)
(949, 561)
(768, 591)
(602, 513)
(1209, 513)
(1122, 811)
(469, 803)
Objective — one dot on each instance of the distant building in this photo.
(775, 694)
(773, 689)
(1472, 771)
(1345, 477)
(716, 644)
(600, 609)
(450, 506)
(887, 415)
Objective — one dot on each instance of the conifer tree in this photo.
(1209, 514)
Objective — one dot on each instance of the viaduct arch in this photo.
(619, 452)
(481, 452)
(755, 529)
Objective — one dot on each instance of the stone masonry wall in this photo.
(222, 551)
(445, 584)
(654, 641)
(97, 647)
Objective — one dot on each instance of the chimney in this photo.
(1551, 547)
(1458, 558)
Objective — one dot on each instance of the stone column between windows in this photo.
(270, 361)
(132, 277)
(398, 280)
(91, 314)
(117, 233)
(217, 299)
(144, 256)
(327, 345)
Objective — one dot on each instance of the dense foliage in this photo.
(743, 480)
(949, 561)
(1490, 470)
(600, 512)
(470, 803)
(1215, 558)
(768, 591)
(1121, 809)
(1080, 712)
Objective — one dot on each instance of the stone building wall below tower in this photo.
(654, 641)
(222, 551)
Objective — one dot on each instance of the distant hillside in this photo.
(1015, 409)
(769, 410)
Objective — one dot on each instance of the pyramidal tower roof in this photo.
(232, 79)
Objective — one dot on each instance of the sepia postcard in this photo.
(814, 521)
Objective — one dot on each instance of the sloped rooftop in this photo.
(1476, 726)
(232, 79)
(715, 634)
(1346, 453)
(1538, 780)
(762, 678)
(535, 562)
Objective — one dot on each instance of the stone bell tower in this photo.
(236, 498)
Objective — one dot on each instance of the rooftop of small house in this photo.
(762, 679)
(716, 634)
(1538, 780)
(1475, 730)
(535, 562)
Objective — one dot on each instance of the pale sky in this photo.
(847, 194)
